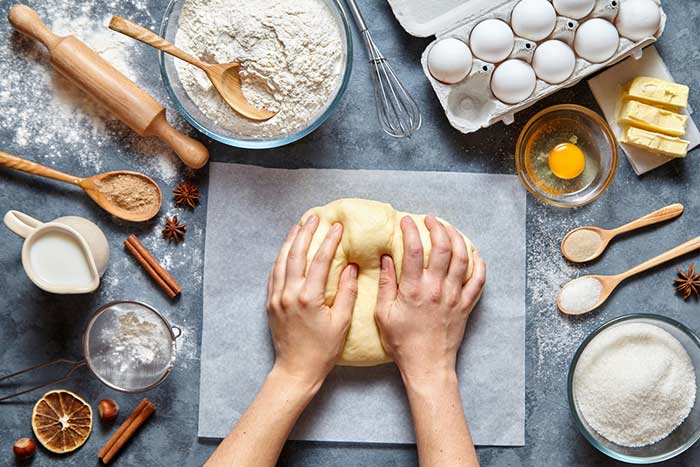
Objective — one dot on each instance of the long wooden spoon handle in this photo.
(660, 215)
(673, 253)
(23, 165)
(142, 34)
(28, 22)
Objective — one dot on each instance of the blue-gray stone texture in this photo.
(36, 326)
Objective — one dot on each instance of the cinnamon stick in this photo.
(122, 428)
(152, 266)
(127, 430)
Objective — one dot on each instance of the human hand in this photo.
(308, 335)
(422, 318)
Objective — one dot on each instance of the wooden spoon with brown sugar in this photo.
(127, 195)
(587, 243)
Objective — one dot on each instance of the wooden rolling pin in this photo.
(85, 68)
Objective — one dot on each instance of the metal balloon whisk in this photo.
(397, 110)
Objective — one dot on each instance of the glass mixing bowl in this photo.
(559, 124)
(192, 114)
(682, 437)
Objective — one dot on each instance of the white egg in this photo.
(574, 9)
(513, 81)
(533, 19)
(491, 40)
(596, 40)
(638, 19)
(449, 60)
(554, 61)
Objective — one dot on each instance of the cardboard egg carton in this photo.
(470, 104)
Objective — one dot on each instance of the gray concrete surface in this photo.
(35, 121)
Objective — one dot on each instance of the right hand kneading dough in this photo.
(371, 230)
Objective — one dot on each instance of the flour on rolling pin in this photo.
(107, 85)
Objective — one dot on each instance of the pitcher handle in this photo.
(21, 224)
(74, 365)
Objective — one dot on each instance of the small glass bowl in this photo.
(188, 109)
(682, 437)
(600, 138)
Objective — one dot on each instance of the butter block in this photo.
(656, 91)
(654, 142)
(647, 117)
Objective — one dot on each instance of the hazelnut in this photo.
(108, 410)
(24, 448)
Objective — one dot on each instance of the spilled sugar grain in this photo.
(50, 120)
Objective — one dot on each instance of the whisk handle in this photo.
(357, 15)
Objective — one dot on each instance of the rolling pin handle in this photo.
(190, 151)
(28, 22)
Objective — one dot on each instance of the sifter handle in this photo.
(74, 366)
(28, 22)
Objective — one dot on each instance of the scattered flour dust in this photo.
(48, 119)
(290, 53)
(557, 336)
(187, 266)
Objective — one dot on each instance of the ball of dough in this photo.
(371, 230)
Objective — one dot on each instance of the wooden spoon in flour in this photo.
(225, 76)
(127, 195)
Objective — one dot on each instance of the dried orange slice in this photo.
(62, 421)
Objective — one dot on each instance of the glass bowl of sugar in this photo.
(295, 59)
(632, 388)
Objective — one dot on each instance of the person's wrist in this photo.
(429, 380)
(308, 382)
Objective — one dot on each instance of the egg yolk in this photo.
(566, 161)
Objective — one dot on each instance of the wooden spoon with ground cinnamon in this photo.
(127, 195)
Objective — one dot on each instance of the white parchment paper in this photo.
(250, 209)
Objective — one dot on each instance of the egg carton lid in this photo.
(423, 18)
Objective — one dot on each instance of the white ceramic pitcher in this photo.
(65, 256)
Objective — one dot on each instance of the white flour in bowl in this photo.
(634, 384)
(291, 55)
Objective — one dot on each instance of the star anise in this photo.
(186, 194)
(688, 283)
(173, 229)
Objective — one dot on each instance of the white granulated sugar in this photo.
(581, 294)
(290, 53)
(48, 119)
(634, 384)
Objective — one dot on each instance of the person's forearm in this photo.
(258, 437)
(442, 435)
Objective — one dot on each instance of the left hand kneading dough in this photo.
(371, 229)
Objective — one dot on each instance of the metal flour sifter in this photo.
(128, 345)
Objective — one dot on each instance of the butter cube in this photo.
(656, 91)
(647, 117)
(654, 142)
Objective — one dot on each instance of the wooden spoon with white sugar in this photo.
(587, 293)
